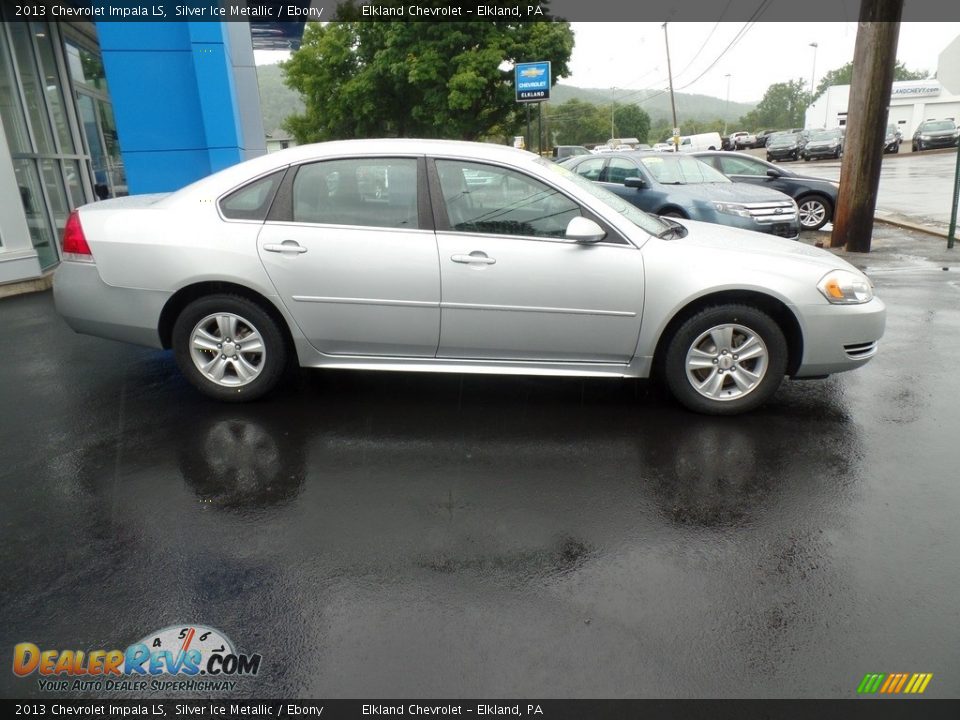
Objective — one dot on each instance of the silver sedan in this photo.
(438, 256)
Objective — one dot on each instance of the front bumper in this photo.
(938, 142)
(789, 228)
(837, 338)
(783, 153)
(819, 152)
(90, 306)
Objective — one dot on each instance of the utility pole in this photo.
(874, 57)
(673, 104)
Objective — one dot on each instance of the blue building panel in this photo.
(174, 93)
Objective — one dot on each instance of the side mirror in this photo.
(584, 230)
(774, 173)
(635, 182)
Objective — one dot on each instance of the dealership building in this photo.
(911, 101)
(97, 110)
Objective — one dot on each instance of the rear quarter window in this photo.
(252, 201)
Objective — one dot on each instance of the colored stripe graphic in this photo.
(894, 683)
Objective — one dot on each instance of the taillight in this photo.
(75, 245)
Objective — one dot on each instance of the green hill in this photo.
(277, 101)
(657, 103)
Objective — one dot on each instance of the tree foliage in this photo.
(844, 76)
(784, 105)
(577, 122)
(416, 79)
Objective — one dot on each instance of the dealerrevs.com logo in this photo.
(179, 658)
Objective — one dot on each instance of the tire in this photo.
(672, 213)
(697, 340)
(817, 208)
(203, 328)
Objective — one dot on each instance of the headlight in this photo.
(842, 287)
(731, 208)
(924, 137)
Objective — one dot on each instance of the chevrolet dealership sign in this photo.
(532, 81)
(915, 90)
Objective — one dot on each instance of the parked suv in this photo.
(826, 143)
(935, 134)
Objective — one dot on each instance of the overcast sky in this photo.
(632, 55)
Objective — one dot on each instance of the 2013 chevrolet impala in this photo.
(458, 257)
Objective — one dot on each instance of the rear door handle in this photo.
(287, 246)
(474, 258)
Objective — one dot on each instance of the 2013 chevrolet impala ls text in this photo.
(442, 256)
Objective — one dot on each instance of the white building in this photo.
(911, 101)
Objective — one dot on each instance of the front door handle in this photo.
(475, 258)
(287, 246)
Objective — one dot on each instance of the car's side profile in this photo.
(454, 257)
(816, 198)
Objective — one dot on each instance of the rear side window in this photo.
(375, 192)
(252, 201)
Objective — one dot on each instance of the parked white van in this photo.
(701, 141)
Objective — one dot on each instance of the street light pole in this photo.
(813, 70)
(726, 110)
(673, 104)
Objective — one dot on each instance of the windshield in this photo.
(788, 139)
(826, 135)
(681, 171)
(938, 125)
(647, 223)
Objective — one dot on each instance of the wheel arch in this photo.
(670, 207)
(774, 307)
(186, 295)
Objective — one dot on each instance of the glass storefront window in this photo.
(33, 89)
(51, 83)
(34, 207)
(86, 68)
(14, 122)
(56, 194)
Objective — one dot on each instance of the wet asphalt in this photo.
(405, 535)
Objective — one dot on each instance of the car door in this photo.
(350, 248)
(748, 170)
(513, 288)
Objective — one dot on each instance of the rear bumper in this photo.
(90, 306)
(839, 338)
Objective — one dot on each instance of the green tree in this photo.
(631, 121)
(844, 75)
(783, 106)
(576, 122)
(444, 79)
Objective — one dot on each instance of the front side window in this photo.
(618, 170)
(488, 199)
(741, 166)
(590, 169)
(373, 192)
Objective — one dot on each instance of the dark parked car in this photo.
(784, 146)
(892, 140)
(561, 152)
(815, 197)
(935, 134)
(682, 186)
(823, 144)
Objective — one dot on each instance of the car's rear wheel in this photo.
(815, 212)
(229, 348)
(726, 360)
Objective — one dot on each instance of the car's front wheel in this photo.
(726, 360)
(229, 348)
(815, 212)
